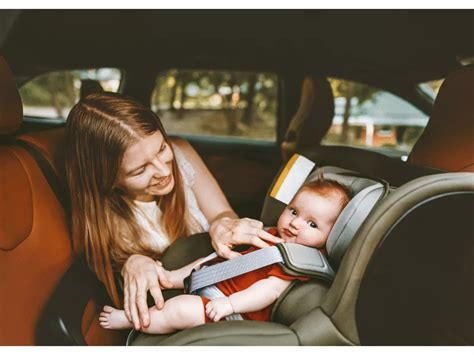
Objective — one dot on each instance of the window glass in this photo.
(371, 118)
(217, 103)
(431, 88)
(53, 94)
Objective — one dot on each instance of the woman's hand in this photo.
(226, 232)
(142, 274)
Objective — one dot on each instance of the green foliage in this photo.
(52, 89)
(350, 89)
(196, 89)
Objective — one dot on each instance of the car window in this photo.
(370, 118)
(52, 95)
(431, 88)
(217, 103)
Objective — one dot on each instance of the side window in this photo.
(53, 94)
(217, 103)
(371, 118)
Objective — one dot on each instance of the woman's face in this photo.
(147, 169)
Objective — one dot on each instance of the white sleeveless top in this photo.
(148, 214)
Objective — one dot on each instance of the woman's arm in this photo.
(226, 229)
(254, 298)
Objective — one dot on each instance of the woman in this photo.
(134, 191)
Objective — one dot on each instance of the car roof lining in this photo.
(394, 45)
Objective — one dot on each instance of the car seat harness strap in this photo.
(296, 260)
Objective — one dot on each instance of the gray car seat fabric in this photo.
(334, 319)
(341, 299)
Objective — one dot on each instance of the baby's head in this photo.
(310, 215)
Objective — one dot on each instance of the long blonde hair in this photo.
(99, 129)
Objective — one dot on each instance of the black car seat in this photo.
(35, 249)
(448, 140)
(313, 118)
(36, 252)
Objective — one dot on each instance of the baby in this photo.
(307, 220)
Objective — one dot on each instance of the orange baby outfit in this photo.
(244, 281)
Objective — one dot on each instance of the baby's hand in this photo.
(219, 308)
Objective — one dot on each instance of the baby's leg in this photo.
(180, 312)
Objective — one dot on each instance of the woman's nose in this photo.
(161, 168)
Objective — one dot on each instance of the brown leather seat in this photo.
(35, 249)
(448, 140)
(35, 246)
(312, 120)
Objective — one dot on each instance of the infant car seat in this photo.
(300, 298)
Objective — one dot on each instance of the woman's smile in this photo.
(162, 182)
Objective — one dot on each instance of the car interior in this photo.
(403, 266)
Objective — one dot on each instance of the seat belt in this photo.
(297, 260)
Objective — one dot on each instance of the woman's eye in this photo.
(312, 224)
(293, 211)
(139, 172)
(163, 147)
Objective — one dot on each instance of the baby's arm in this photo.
(254, 298)
(258, 296)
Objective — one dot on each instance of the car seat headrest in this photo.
(313, 118)
(446, 142)
(366, 192)
(11, 109)
(89, 86)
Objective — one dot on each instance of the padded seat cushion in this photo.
(16, 205)
(226, 333)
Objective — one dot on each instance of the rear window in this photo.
(371, 118)
(218, 103)
(52, 95)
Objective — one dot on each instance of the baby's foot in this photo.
(112, 318)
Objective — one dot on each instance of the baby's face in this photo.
(308, 219)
